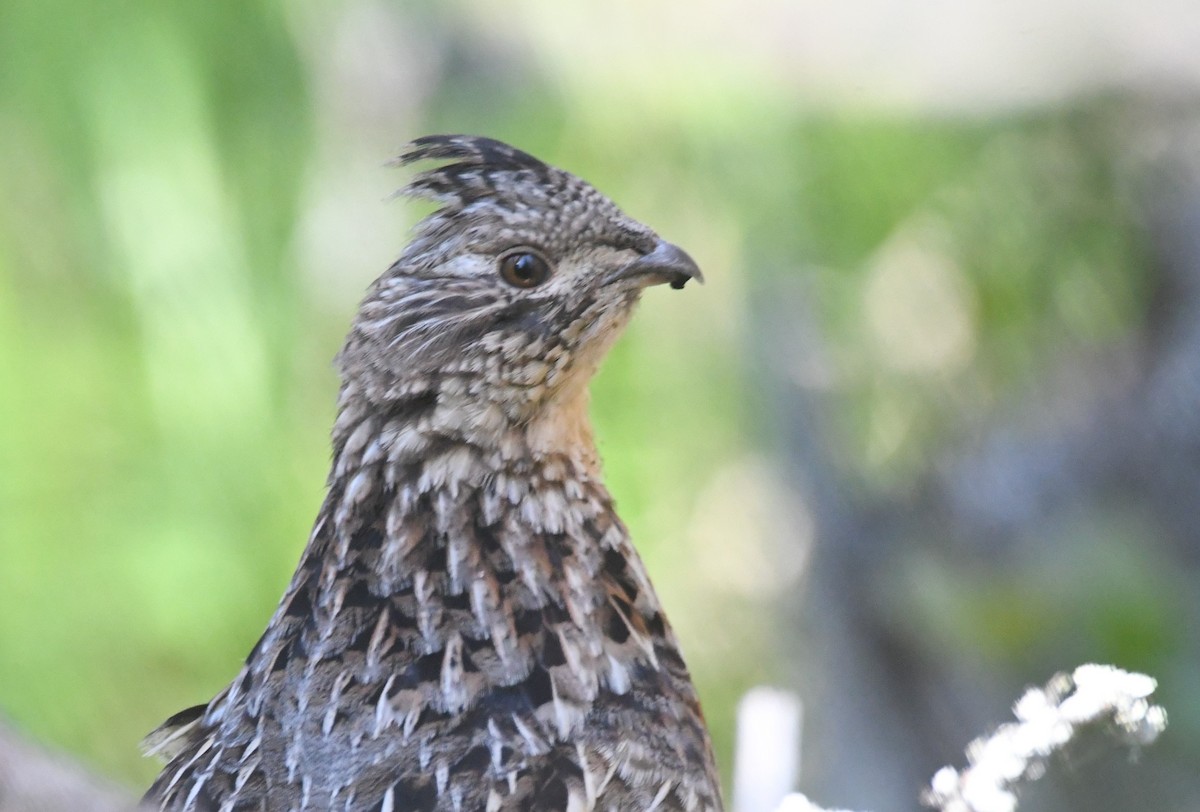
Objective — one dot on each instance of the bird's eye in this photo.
(524, 269)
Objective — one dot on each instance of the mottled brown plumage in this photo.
(469, 627)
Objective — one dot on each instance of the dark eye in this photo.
(524, 269)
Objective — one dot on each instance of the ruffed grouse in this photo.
(469, 627)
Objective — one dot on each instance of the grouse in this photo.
(469, 627)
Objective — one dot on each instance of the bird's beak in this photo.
(666, 263)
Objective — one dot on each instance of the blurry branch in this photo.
(767, 749)
(1048, 719)
(35, 780)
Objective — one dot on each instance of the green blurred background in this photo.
(943, 348)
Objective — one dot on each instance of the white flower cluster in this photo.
(1047, 719)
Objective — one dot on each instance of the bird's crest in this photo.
(478, 167)
(485, 177)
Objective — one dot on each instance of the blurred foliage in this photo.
(192, 199)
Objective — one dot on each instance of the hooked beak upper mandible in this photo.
(666, 263)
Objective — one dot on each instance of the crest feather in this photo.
(479, 167)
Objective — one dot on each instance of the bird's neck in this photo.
(407, 429)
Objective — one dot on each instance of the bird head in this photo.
(510, 293)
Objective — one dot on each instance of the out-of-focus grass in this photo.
(166, 321)
(162, 420)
